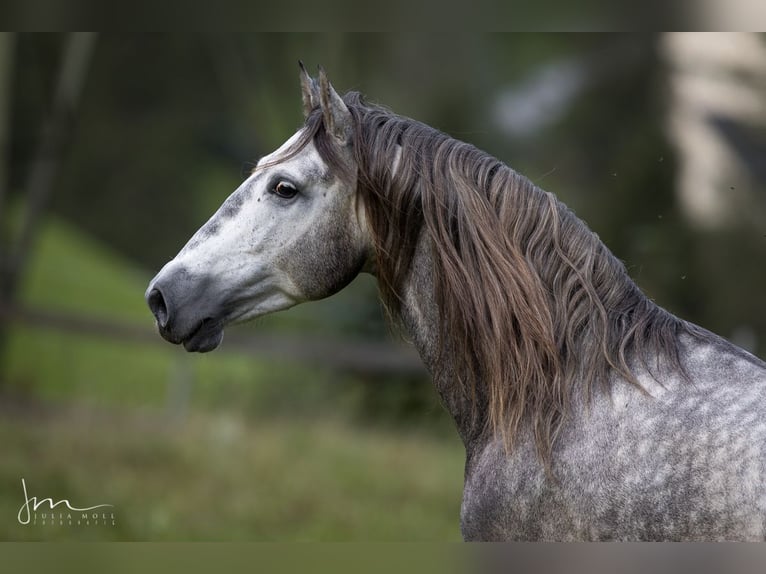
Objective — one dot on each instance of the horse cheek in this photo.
(324, 262)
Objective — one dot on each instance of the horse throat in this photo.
(420, 319)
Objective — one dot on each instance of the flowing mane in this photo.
(530, 300)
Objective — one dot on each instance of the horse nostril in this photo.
(158, 307)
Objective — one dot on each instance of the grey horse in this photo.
(587, 411)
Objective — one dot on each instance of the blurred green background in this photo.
(317, 423)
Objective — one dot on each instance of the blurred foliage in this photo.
(171, 123)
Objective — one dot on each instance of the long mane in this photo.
(530, 300)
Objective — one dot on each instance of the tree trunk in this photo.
(44, 168)
(7, 45)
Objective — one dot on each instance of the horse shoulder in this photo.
(683, 460)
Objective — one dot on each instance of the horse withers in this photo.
(587, 411)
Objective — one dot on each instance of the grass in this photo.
(222, 477)
(72, 273)
(212, 447)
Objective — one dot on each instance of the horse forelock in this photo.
(532, 304)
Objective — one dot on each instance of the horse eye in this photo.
(285, 190)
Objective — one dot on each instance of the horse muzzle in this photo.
(182, 305)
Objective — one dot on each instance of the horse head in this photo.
(293, 231)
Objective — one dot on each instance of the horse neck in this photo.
(420, 319)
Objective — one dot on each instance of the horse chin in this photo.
(205, 338)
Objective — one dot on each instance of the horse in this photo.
(587, 411)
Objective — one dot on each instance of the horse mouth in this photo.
(206, 337)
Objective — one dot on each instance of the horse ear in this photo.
(337, 118)
(309, 90)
